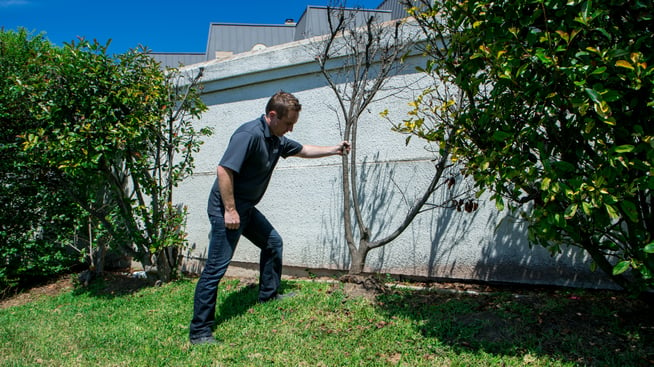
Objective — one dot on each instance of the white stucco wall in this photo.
(303, 200)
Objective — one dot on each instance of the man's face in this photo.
(278, 126)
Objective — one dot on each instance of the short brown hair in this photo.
(282, 102)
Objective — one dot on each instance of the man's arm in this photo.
(314, 151)
(226, 186)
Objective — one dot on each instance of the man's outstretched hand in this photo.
(344, 148)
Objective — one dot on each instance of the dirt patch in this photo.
(56, 286)
(113, 283)
(368, 287)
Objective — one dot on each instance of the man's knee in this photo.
(275, 241)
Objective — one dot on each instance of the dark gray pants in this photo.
(256, 228)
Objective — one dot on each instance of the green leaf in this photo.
(612, 96)
(593, 266)
(599, 70)
(564, 166)
(545, 184)
(570, 211)
(621, 267)
(587, 208)
(501, 135)
(630, 210)
(649, 248)
(542, 56)
(594, 95)
(627, 148)
(499, 204)
(613, 213)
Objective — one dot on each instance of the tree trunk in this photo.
(359, 258)
(167, 263)
(601, 261)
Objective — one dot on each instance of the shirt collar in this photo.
(266, 129)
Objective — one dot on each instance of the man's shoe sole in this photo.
(280, 297)
(204, 340)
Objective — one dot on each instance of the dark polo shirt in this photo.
(251, 154)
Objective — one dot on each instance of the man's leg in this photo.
(261, 233)
(221, 249)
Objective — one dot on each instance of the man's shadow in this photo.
(239, 302)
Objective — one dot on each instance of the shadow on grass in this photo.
(112, 285)
(593, 328)
(242, 300)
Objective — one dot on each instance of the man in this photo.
(243, 176)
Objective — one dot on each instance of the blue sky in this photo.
(162, 26)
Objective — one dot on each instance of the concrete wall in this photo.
(304, 203)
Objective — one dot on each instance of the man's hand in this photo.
(226, 186)
(343, 148)
(232, 219)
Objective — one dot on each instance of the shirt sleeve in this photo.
(290, 147)
(237, 151)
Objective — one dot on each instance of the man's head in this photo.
(282, 112)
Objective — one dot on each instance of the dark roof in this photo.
(315, 20)
(232, 38)
(174, 59)
(237, 38)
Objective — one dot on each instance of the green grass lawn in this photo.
(323, 326)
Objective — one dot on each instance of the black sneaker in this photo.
(203, 340)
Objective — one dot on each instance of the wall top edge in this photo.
(293, 56)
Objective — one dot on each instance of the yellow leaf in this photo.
(635, 56)
(624, 64)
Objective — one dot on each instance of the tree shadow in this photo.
(386, 191)
(112, 285)
(374, 178)
(509, 257)
(594, 328)
(449, 231)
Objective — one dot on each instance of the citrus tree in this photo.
(556, 119)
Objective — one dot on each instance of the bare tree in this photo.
(357, 58)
